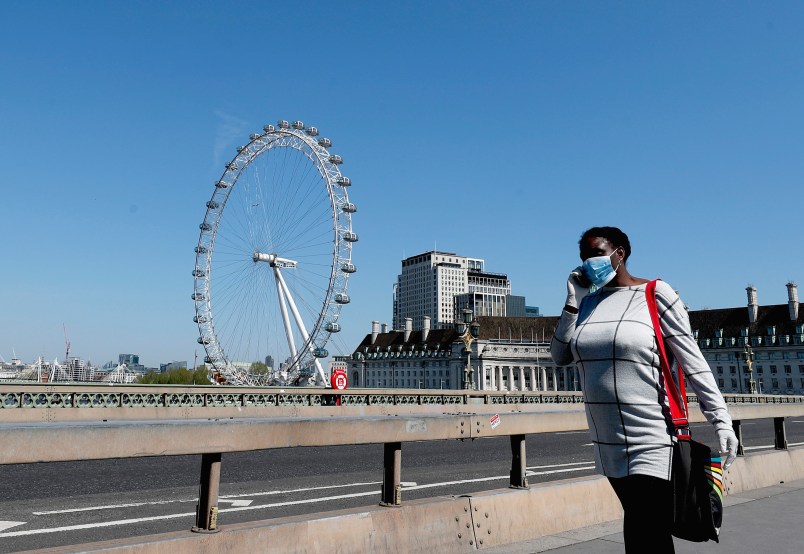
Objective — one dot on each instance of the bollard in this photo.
(738, 430)
(206, 511)
(780, 435)
(392, 474)
(519, 478)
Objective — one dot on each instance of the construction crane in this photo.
(67, 343)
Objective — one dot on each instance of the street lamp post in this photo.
(468, 330)
(748, 356)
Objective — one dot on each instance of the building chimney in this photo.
(792, 300)
(408, 328)
(753, 307)
(375, 329)
(384, 328)
(426, 328)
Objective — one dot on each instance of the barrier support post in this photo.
(392, 474)
(780, 435)
(738, 430)
(519, 478)
(206, 511)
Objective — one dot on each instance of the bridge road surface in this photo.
(70, 503)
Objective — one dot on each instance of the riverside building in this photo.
(763, 344)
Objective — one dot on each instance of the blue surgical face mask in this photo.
(599, 270)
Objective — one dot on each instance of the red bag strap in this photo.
(677, 397)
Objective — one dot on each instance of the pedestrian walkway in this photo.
(762, 520)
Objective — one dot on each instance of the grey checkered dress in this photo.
(611, 341)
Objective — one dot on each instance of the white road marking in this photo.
(236, 502)
(588, 444)
(112, 506)
(223, 498)
(266, 493)
(562, 465)
(9, 524)
(287, 503)
(405, 484)
(571, 432)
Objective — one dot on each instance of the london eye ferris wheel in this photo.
(273, 258)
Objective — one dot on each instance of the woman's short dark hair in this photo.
(617, 238)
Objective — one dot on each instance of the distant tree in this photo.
(176, 377)
(258, 368)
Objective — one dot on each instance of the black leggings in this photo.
(648, 505)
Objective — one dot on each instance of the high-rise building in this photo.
(441, 284)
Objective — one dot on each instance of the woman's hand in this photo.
(728, 446)
(576, 290)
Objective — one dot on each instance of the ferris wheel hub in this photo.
(273, 260)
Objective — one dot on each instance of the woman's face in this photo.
(598, 246)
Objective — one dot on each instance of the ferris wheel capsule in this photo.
(333, 327)
(282, 124)
(342, 298)
(212, 205)
(348, 267)
(311, 131)
(268, 128)
(298, 125)
(254, 136)
(240, 148)
(349, 208)
(344, 181)
(325, 142)
(336, 159)
(320, 353)
(349, 236)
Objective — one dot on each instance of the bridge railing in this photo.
(41, 436)
(87, 402)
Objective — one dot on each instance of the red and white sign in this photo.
(495, 421)
(339, 380)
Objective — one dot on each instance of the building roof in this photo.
(517, 328)
(734, 320)
(440, 339)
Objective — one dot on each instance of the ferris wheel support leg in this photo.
(283, 307)
(319, 370)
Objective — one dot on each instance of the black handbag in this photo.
(697, 475)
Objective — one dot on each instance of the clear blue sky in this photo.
(498, 130)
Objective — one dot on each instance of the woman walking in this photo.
(606, 330)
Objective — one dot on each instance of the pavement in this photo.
(762, 520)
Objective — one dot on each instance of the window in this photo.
(720, 369)
(789, 382)
(787, 369)
(732, 369)
(720, 383)
(775, 383)
(773, 370)
(734, 383)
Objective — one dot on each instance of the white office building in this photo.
(439, 285)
